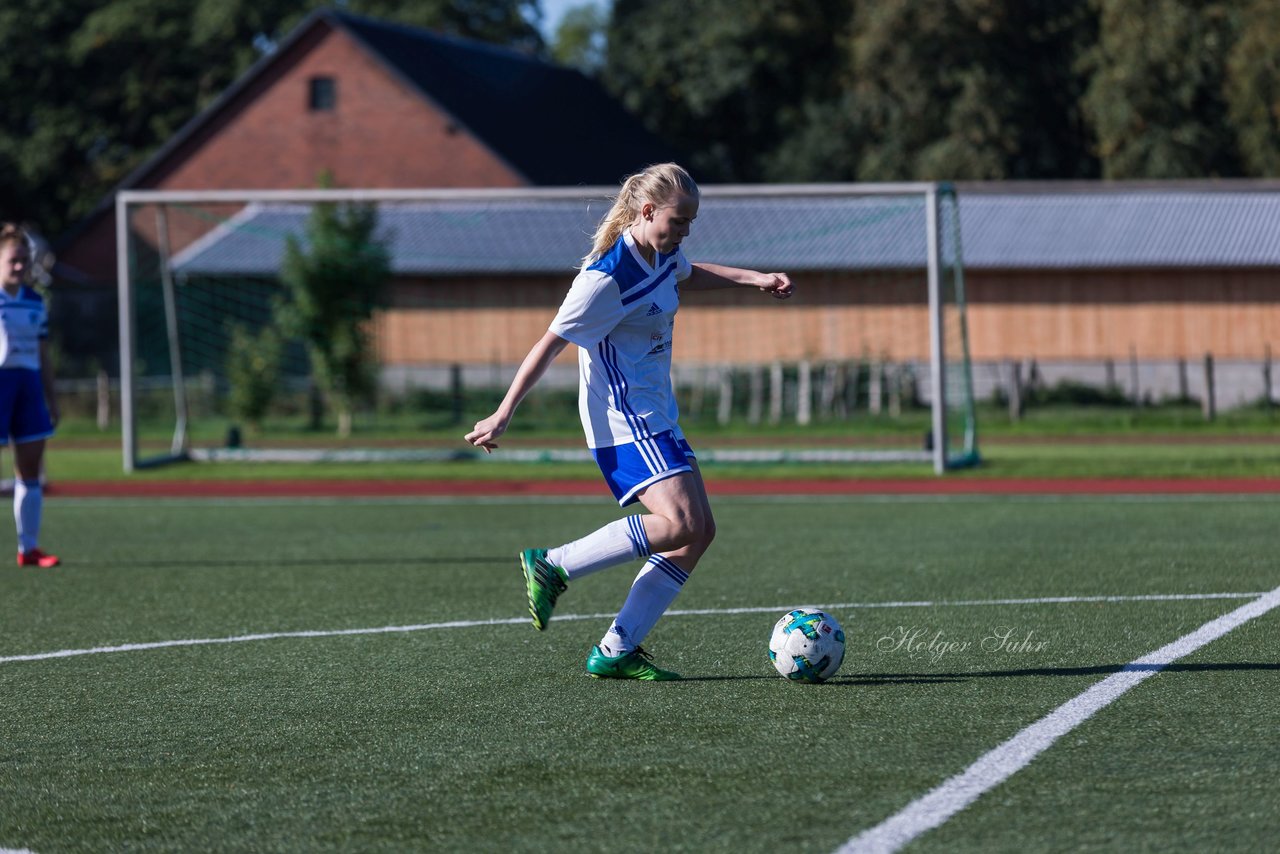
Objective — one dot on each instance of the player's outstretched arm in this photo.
(706, 277)
(487, 431)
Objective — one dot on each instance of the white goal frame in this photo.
(931, 192)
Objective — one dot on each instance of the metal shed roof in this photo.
(1077, 230)
(1111, 230)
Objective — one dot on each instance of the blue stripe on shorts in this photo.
(628, 470)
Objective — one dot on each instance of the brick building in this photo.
(373, 104)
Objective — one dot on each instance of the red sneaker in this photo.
(35, 557)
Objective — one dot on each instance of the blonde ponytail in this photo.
(659, 184)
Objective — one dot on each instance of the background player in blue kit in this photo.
(620, 312)
(28, 409)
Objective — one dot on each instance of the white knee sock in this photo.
(652, 593)
(615, 543)
(28, 501)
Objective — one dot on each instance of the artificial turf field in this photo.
(377, 687)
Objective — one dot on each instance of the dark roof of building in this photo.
(1076, 230)
(552, 124)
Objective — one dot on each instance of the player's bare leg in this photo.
(680, 525)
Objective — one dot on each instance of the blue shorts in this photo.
(23, 414)
(630, 468)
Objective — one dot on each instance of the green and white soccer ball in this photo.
(807, 645)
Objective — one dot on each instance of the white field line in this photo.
(994, 767)
(514, 621)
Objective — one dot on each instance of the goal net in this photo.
(869, 362)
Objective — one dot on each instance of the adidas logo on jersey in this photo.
(653, 309)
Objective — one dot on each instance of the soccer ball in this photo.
(807, 645)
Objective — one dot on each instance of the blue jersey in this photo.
(24, 323)
(621, 313)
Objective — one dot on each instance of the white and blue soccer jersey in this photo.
(621, 312)
(23, 324)
(24, 416)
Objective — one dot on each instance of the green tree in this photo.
(1253, 88)
(513, 23)
(581, 39)
(1156, 94)
(253, 371)
(89, 89)
(723, 80)
(973, 89)
(822, 90)
(333, 286)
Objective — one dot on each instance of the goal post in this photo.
(478, 273)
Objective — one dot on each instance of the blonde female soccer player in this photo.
(620, 312)
(28, 409)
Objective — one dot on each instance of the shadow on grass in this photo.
(1097, 670)
(874, 679)
(267, 562)
(922, 679)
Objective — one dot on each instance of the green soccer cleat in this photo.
(631, 665)
(545, 582)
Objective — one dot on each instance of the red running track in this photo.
(520, 488)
